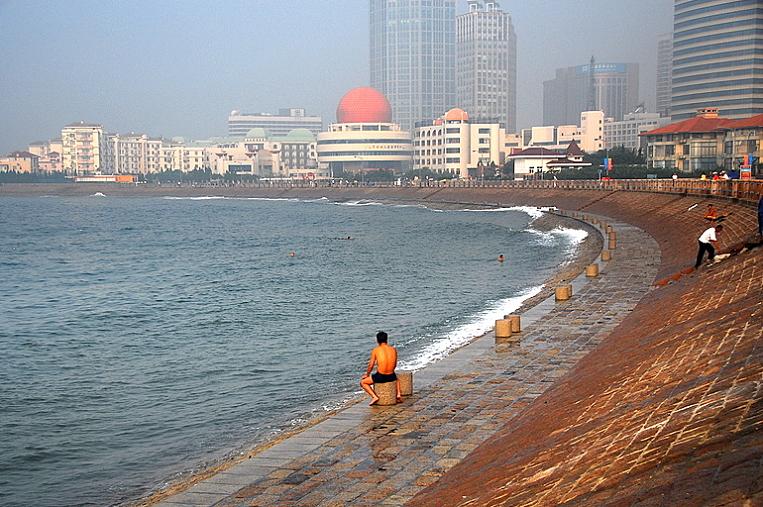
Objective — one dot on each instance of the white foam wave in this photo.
(535, 212)
(572, 237)
(360, 203)
(98, 194)
(477, 325)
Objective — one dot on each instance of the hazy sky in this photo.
(177, 68)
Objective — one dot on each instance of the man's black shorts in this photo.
(382, 378)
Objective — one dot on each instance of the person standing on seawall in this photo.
(706, 241)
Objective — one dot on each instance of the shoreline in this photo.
(588, 249)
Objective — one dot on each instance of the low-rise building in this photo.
(451, 145)
(589, 135)
(534, 162)
(49, 153)
(277, 124)
(704, 143)
(20, 162)
(626, 133)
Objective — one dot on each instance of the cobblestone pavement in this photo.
(385, 455)
(667, 411)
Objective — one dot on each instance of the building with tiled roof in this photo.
(20, 162)
(532, 162)
(705, 143)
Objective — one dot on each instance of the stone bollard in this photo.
(612, 244)
(516, 323)
(387, 393)
(561, 293)
(406, 382)
(502, 330)
(606, 255)
(592, 271)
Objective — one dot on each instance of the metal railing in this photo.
(743, 190)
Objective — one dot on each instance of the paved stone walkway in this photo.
(385, 455)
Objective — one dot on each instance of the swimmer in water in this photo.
(292, 254)
(501, 258)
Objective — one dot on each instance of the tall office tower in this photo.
(717, 58)
(608, 87)
(664, 73)
(413, 57)
(486, 64)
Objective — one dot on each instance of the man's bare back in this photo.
(384, 357)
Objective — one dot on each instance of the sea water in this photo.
(146, 338)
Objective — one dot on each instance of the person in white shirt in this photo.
(706, 241)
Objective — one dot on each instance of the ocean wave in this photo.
(549, 238)
(477, 325)
(360, 203)
(202, 198)
(98, 194)
(535, 212)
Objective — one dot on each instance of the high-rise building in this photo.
(413, 57)
(664, 73)
(85, 150)
(486, 64)
(717, 58)
(276, 124)
(608, 87)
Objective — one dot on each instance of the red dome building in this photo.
(364, 141)
(364, 105)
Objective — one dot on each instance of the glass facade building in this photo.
(717, 57)
(664, 73)
(413, 57)
(486, 60)
(608, 87)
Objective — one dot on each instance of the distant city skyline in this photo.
(181, 70)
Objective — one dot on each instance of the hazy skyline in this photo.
(178, 68)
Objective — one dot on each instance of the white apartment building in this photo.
(589, 136)
(84, 148)
(451, 145)
(135, 153)
(626, 132)
(178, 156)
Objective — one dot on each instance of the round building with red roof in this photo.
(364, 139)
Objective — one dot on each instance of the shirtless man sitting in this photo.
(385, 358)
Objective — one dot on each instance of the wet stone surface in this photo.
(386, 455)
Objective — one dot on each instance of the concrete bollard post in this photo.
(592, 271)
(561, 293)
(502, 329)
(516, 323)
(406, 382)
(606, 255)
(387, 393)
